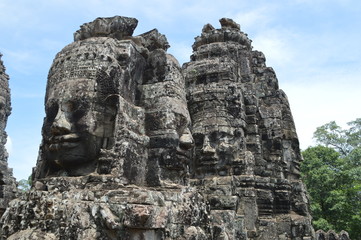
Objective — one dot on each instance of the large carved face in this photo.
(177, 155)
(77, 125)
(171, 135)
(216, 149)
(170, 146)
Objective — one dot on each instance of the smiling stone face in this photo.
(216, 110)
(76, 126)
(167, 121)
(80, 108)
(216, 150)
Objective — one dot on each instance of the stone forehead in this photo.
(77, 88)
(101, 48)
(212, 119)
(84, 60)
(73, 72)
(207, 129)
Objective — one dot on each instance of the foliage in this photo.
(343, 141)
(25, 185)
(332, 174)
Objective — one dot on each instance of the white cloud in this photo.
(20, 60)
(18, 56)
(7, 16)
(316, 103)
(51, 45)
(275, 44)
(9, 145)
(257, 18)
(182, 51)
(24, 158)
(317, 2)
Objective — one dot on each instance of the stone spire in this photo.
(7, 181)
(245, 138)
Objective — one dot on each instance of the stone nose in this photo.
(207, 149)
(186, 140)
(60, 125)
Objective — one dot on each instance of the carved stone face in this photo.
(216, 150)
(172, 150)
(76, 126)
(171, 135)
(177, 156)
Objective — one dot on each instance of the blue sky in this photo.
(313, 45)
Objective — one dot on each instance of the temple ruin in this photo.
(136, 146)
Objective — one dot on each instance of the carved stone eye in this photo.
(213, 137)
(198, 139)
(68, 107)
(52, 111)
(79, 109)
(75, 109)
(77, 114)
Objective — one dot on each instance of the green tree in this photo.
(25, 185)
(344, 141)
(332, 174)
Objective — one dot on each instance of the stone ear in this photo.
(111, 100)
(111, 105)
(238, 133)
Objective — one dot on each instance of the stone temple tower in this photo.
(137, 147)
(245, 138)
(7, 181)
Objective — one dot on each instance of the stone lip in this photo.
(116, 27)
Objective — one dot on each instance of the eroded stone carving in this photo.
(90, 84)
(245, 137)
(7, 181)
(136, 147)
(331, 235)
(167, 120)
(115, 27)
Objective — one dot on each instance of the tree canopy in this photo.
(332, 174)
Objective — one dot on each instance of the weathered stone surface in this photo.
(244, 132)
(115, 27)
(137, 147)
(7, 181)
(67, 210)
(331, 235)
(91, 116)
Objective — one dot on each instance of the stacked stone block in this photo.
(7, 181)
